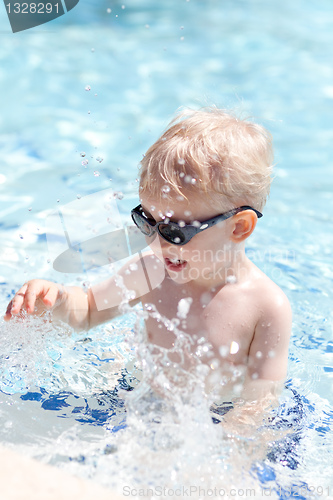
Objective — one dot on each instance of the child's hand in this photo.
(34, 296)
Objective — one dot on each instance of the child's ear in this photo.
(243, 225)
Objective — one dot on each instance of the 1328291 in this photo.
(32, 8)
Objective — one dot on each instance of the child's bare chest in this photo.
(224, 318)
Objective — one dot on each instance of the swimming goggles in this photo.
(179, 233)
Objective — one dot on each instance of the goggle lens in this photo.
(172, 233)
(142, 224)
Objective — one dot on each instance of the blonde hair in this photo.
(210, 152)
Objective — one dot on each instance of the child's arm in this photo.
(83, 310)
(268, 354)
(267, 366)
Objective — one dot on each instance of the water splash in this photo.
(162, 433)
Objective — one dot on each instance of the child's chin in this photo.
(179, 276)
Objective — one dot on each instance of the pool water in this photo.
(66, 398)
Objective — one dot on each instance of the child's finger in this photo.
(15, 304)
(18, 300)
(8, 315)
(34, 290)
(51, 296)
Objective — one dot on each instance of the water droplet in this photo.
(196, 223)
(271, 354)
(184, 307)
(20, 235)
(118, 194)
(83, 154)
(223, 351)
(87, 87)
(214, 364)
(96, 173)
(99, 159)
(147, 26)
(85, 162)
(187, 213)
(238, 389)
(123, 7)
(231, 279)
(30, 208)
(92, 50)
(205, 298)
(108, 11)
(181, 223)
(169, 213)
(166, 189)
(182, 38)
(234, 347)
(78, 196)
(181, 161)
(258, 354)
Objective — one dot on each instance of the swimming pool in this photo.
(61, 398)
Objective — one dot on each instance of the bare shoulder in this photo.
(146, 270)
(137, 277)
(272, 331)
(272, 301)
(140, 274)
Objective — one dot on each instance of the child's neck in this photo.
(235, 270)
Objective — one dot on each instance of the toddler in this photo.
(203, 186)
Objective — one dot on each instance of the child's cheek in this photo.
(155, 246)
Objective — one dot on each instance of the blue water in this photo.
(269, 60)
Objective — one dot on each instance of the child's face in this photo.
(205, 258)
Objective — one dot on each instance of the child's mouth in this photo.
(175, 264)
